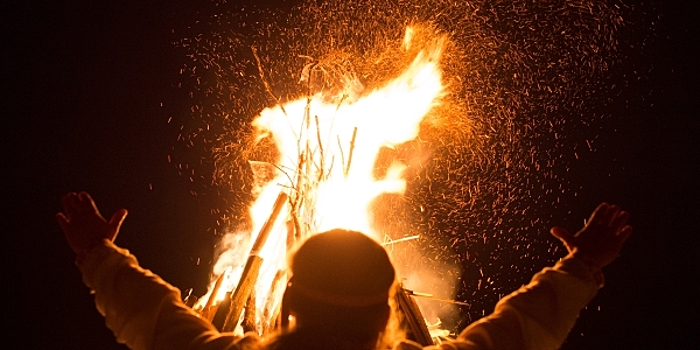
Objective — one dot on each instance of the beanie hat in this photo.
(342, 268)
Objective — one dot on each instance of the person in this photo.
(339, 292)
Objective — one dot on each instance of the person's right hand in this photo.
(599, 242)
(83, 225)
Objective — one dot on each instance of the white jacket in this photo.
(144, 312)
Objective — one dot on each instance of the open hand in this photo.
(599, 242)
(83, 225)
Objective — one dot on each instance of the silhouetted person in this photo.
(338, 294)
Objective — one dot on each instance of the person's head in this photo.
(340, 286)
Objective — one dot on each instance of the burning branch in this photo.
(264, 80)
(320, 149)
(249, 277)
(207, 311)
(400, 240)
(249, 314)
(413, 318)
(352, 148)
(271, 312)
(431, 297)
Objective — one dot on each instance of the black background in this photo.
(87, 92)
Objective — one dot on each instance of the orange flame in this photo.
(328, 153)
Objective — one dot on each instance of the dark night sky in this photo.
(87, 90)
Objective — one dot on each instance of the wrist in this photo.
(590, 262)
(83, 252)
(593, 267)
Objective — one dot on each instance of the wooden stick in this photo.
(352, 148)
(189, 299)
(271, 311)
(221, 312)
(342, 99)
(206, 311)
(264, 80)
(320, 148)
(249, 319)
(342, 157)
(415, 325)
(399, 240)
(249, 277)
(428, 296)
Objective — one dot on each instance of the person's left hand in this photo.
(600, 240)
(83, 225)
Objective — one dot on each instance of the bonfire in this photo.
(325, 177)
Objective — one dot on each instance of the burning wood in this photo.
(249, 324)
(249, 277)
(207, 311)
(431, 297)
(400, 240)
(271, 311)
(319, 138)
(189, 299)
(413, 320)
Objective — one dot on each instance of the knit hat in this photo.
(342, 268)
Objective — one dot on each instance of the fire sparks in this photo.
(328, 149)
(524, 81)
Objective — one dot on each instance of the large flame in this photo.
(328, 149)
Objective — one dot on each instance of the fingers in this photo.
(115, 222)
(563, 235)
(79, 204)
(118, 217)
(599, 214)
(75, 203)
(620, 220)
(611, 215)
(62, 221)
(70, 204)
(86, 200)
(625, 233)
(87, 204)
(84, 196)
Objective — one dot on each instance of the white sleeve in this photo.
(538, 316)
(143, 311)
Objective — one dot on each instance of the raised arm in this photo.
(540, 315)
(143, 311)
